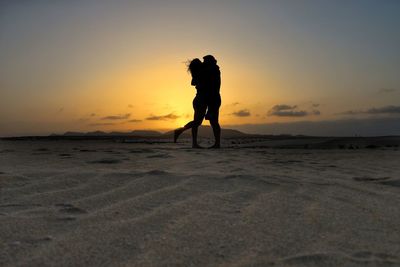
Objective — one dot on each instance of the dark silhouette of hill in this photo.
(207, 132)
(143, 133)
(136, 133)
(232, 138)
(70, 134)
(95, 133)
(204, 132)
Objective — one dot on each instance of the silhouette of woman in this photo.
(199, 102)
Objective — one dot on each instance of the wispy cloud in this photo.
(289, 113)
(282, 107)
(134, 120)
(241, 113)
(284, 110)
(381, 110)
(170, 116)
(117, 117)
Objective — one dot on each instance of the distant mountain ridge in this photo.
(144, 133)
(230, 138)
(207, 132)
(204, 132)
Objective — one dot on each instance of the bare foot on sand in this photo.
(215, 146)
(196, 146)
(177, 133)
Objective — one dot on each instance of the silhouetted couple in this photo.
(206, 77)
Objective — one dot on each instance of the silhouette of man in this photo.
(211, 78)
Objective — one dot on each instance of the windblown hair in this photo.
(194, 66)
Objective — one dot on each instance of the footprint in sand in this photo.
(370, 179)
(66, 155)
(113, 152)
(87, 150)
(69, 208)
(41, 149)
(67, 218)
(162, 156)
(105, 161)
(379, 180)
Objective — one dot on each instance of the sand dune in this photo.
(71, 203)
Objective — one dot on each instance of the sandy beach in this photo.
(102, 203)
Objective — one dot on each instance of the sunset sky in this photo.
(120, 65)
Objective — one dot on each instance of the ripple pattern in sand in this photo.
(149, 205)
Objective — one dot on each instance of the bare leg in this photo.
(194, 137)
(178, 132)
(217, 133)
(194, 125)
(199, 112)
